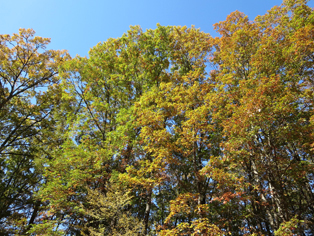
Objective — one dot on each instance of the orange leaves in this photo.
(226, 197)
(228, 150)
(234, 22)
(264, 68)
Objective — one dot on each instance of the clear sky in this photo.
(78, 25)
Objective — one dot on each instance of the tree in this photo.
(28, 83)
(176, 131)
(210, 136)
(110, 214)
(264, 78)
(101, 92)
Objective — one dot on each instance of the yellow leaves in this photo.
(159, 126)
(110, 206)
(203, 226)
(190, 41)
(183, 204)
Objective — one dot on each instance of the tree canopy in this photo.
(167, 131)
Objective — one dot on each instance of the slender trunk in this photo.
(262, 196)
(277, 201)
(147, 210)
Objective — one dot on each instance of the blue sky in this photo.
(78, 25)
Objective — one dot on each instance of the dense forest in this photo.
(165, 132)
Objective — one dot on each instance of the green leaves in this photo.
(141, 137)
(28, 96)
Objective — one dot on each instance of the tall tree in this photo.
(264, 81)
(101, 92)
(212, 136)
(28, 83)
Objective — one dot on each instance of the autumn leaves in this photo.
(179, 132)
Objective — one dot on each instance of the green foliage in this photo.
(29, 93)
(109, 213)
(163, 132)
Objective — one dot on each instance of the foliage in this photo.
(109, 213)
(263, 84)
(28, 95)
(165, 132)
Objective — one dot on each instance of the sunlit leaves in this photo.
(211, 136)
(29, 93)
